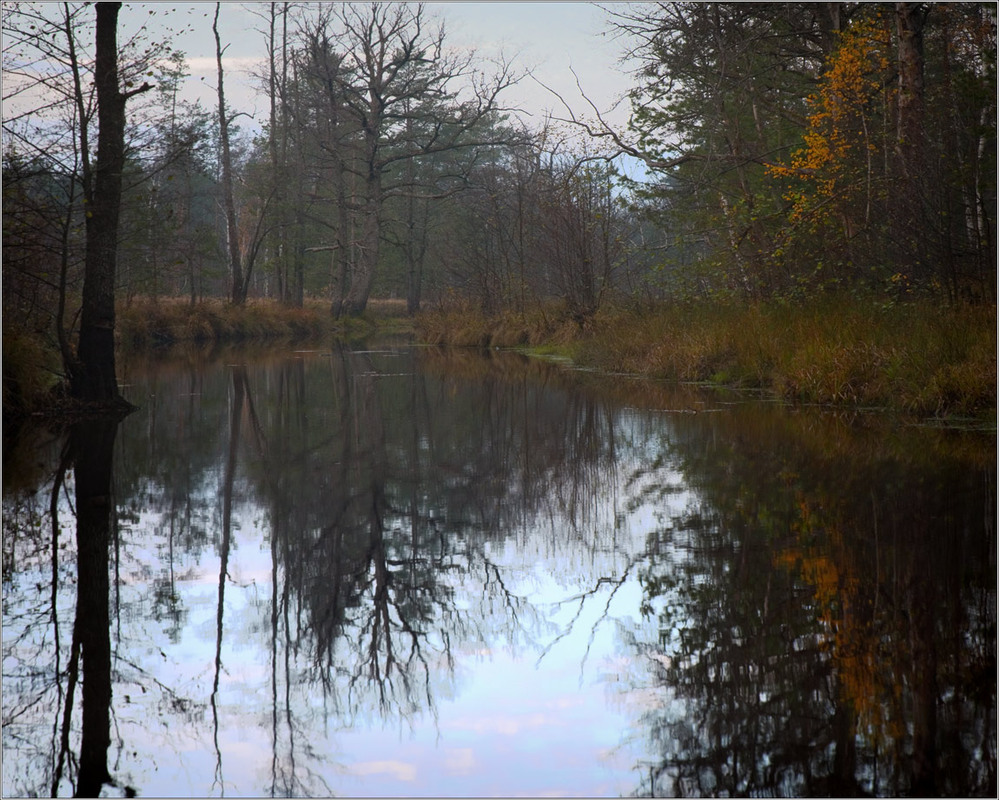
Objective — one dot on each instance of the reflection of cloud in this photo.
(505, 725)
(562, 703)
(459, 761)
(397, 769)
(617, 758)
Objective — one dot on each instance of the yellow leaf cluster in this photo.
(838, 141)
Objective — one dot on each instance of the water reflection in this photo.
(399, 571)
(88, 451)
(827, 620)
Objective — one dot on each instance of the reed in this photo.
(464, 324)
(163, 321)
(921, 358)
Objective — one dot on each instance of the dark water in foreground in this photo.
(405, 572)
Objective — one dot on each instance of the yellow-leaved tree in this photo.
(834, 181)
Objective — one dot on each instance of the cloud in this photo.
(397, 769)
(459, 761)
(204, 65)
(505, 725)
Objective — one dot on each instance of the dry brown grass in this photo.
(143, 322)
(921, 357)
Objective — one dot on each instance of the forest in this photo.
(790, 153)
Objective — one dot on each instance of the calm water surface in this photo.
(398, 571)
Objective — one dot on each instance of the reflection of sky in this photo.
(545, 715)
(515, 726)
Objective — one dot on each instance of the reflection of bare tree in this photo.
(366, 599)
(62, 675)
(385, 492)
(228, 478)
(93, 446)
(73, 673)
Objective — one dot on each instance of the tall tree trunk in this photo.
(911, 225)
(93, 378)
(238, 283)
(340, 265)
(909, 20)
(367, 260)
(278, 247)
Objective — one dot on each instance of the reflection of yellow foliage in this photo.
(866, 680)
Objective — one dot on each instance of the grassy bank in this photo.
(144, 323)
(919, 358)
(31, 370)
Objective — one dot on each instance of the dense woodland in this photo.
(788, 150)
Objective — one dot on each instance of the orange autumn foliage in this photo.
(834, 170)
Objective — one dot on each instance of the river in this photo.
(404, 571)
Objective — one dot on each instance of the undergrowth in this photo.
(30, 370)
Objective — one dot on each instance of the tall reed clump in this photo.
(461, 323)
(918, 357)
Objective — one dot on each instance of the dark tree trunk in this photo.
(911, 223)
(93, 447)
(363, 275)
(910, 19)
(93, 376)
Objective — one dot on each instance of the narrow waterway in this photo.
(403, 571)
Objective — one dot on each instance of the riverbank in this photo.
(146, 323)
(919, 358)
(32, 367)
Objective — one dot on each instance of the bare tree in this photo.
(238, 283)
(55, 84)
(402, 90)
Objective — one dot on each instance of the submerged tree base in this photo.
(917, 357)
(63, 410)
